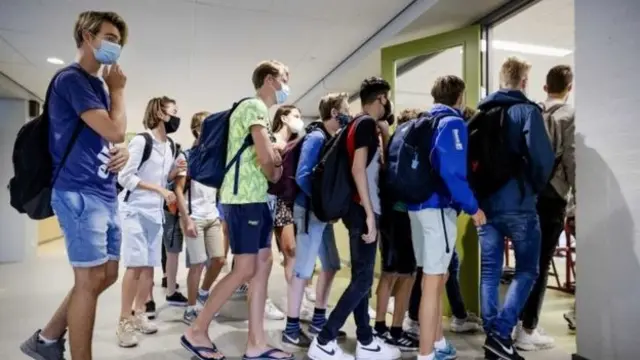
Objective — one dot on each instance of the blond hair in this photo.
(513, 71)
(92, 21)
(155, 111)
(266, 68)
(329, 102)
(196, 122)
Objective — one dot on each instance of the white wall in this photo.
(19, 234)
(608, 155)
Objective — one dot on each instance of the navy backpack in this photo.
(410, 176)
(208, 161)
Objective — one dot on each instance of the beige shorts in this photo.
(207, 245)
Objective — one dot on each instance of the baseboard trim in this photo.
(578, 357)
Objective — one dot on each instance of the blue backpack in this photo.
(409, 175)
(208, 161)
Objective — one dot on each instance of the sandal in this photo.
(269, 355)
(198, 351)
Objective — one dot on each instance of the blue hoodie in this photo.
(309, 157)
(449, 157)
(526, 131)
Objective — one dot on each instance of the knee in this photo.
(111, 278)
(246, 271)
(93, 281)
(217, 262)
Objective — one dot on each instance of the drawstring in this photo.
(444, 227)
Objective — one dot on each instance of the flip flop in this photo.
(198, 351)
(269, 355)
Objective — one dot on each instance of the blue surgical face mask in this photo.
(282, 94)
(108, 53)
(343, 119)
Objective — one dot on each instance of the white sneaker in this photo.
(391, 306)
(310, 294)
(306, 310)
(331, 351)
(126, 333)
(412, 327)
(464, 325)
(271, 312)
(537, 340)
(143, 325)
(377, 350)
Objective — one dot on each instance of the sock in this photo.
(380, 327)
(431, 356)
(396, 332)
(192, 307)
(319, 318)
(46, 341)
(293, 326)
(440, 344)
(203, 292)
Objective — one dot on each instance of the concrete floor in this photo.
(30, 292)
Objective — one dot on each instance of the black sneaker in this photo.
(300, 341)
(384, 336)
(177, 299)
(405, 342)
(503, 349)
(150, 309)
(164, 283)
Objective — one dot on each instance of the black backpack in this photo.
(146, 154)
(332, 184)
(31, 185)
(490, 161)
(410, 176)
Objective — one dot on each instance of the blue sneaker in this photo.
(202, 298)
(190, 315)
(448, 353)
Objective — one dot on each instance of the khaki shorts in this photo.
(207, 245)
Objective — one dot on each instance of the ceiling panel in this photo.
(8, 53)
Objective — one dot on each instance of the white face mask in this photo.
(296, 125)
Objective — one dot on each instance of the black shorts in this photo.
(395, 243)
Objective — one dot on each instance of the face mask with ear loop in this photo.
(388, 113)
(296, 125)
(172, 125)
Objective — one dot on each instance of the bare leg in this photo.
(212, 273)
(198, 333)
(172, 272)
(130, 283)
(257, 342)
(323, 288)
(56, 327)
(429, 308)
(294, 296)
(402, 295)
(143, 289)
(286, 238)
(193, 282)
(385, 286)
(89, 283)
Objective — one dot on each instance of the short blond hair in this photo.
(513, 71)
(266, 68)
(329, 102)
(92, 21)
(196, 122)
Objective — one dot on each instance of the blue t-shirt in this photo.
(74, 92)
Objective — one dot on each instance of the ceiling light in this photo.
(55, 61)
(527, 48)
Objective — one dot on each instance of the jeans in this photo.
(524, 231)
(551, 212)
(313, 240)
(355, 298)
(454, 295)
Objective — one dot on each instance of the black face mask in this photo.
(172, 125)
(388, 113)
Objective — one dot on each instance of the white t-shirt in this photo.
(202, 197)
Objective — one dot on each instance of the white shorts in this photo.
(141, 240)
(431, 229)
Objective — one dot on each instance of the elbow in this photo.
(117, 137)
(129, 182)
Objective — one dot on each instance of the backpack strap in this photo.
(173, 146)
(146, 154)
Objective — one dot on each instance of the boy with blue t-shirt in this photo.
(84, 194)
(433, 222)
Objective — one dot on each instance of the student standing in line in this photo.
(433, 222)
(552, 201)
(362, 223)
(86, 183)
(314, 238)
(141, 203)
(398, 264)
(511, 211)
(245, 207)
(205, 244)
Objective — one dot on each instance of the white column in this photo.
(18, 234)
(608, 185)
